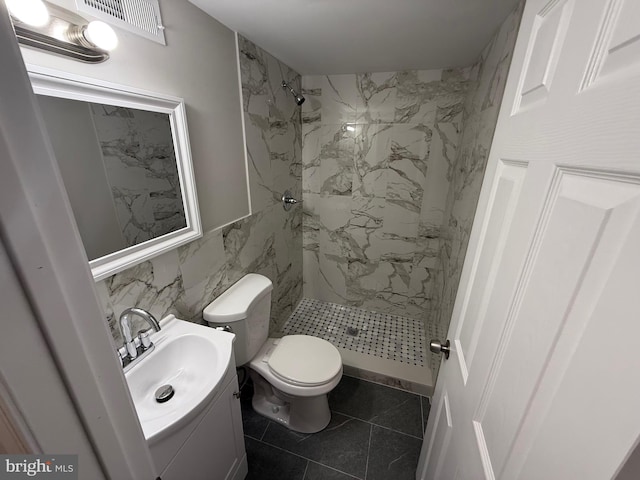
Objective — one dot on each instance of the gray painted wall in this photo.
(71, 131)
(198, 64)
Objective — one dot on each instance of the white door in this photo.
(543, 381)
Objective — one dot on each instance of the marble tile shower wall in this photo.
(488, 75)
(185, 280)
(274, 150)
(378, 156)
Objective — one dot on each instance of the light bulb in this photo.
(101, 35)
(31, 12)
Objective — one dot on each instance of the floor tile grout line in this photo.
(422, 418)
(306, 467)
(366, 467)
(265, 431)
(377, 425)
(281, 449)
(300, 456)
(392, 407)
(252, 437)
(335, 469)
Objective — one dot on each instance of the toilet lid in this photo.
(306, 360)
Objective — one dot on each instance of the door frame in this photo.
(58, 322)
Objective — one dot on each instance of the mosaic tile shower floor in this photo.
(391, 337)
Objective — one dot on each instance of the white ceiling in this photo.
(350, 36)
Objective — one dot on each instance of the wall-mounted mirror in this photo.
(126, 164)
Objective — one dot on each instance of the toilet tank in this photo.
(245, 308)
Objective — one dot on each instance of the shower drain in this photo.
(352, 331)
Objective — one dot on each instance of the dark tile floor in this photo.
(375, 433)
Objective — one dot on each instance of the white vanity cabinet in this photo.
(214, 446)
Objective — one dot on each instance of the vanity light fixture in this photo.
(95, 35)
(48, 27)
(30, 12)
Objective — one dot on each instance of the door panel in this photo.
(503, 202)
(562, 250)
(439, 437)
(547, 37)
(618, 45)
(574, 384)
(604, 359)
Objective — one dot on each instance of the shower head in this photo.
(299, 98)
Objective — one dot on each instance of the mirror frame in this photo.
(55, 83)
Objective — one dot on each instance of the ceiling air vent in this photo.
(141, 17)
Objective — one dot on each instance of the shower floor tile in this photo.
(390, 337)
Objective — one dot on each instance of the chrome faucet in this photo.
(131, 350)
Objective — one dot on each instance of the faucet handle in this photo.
(122, 355)
(145, 338)
(131, 349)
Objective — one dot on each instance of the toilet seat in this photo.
(304, 360)
(260, 364)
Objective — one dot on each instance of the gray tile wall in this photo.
(185, 280)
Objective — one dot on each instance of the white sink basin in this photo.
(193, 359)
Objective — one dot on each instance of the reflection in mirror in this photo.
(125, 161)
(119, 167)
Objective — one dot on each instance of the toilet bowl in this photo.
(292, 375)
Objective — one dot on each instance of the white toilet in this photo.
(292, 375)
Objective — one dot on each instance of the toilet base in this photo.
(300, 414)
